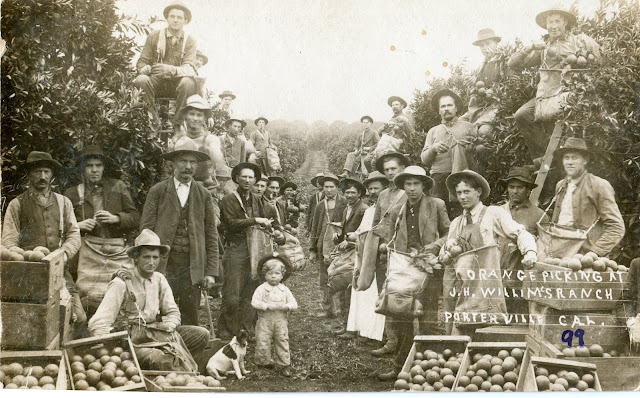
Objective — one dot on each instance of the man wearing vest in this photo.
(365, 143)
(106, 217)
(167, 63)
(239, 211)
(233, 148)
(314, 199)
(181, 212)
(41, 217)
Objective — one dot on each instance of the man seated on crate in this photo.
(40, 217)
(140, 300)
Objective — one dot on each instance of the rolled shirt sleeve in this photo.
(11, 224)
(505, 225)
(104, 318)
(168, 307)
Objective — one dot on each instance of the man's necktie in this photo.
(467, 216)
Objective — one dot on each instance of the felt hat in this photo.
(227, 93)
(486, 34)
(276, 178)
(376, 176)
(541, 19)
(573, 144)
(197, 102)
(40, 159)
(185, 145)
(177, 4)
(355, 183)
(380, 162)
(263, 178)
(414, 171)
(94, 151)
(147, 238)
(523, 174)
(455, 178)
(396, 98)
(224, 172)
(288, 184)
(317, 179)
(366, 117)
(445, 92)
(261, 118)
(200, 54)
(330, 176)
(244, 165)
(288, 269)
(242, 122)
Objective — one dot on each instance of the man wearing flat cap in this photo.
(365, 143)
(181, 212)
(106, 217)
(586, 202)
(41, 217)
(240, 211)
(449, 146)
(166, 66)
(233, 147)
(560, 43)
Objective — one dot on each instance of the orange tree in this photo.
(603, 110)
(66, 82)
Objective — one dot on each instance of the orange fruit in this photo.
(496, 361)
(495, 388)
(416, 370)
(596, 350)
(511, 377)
(477, 381)
(486, 385)
(496, 370)
(37, 371)
(572, 378)
(81, 385)
(563, 382)
(14, 369)
(571, 59)
(517, 353)
(93, 377)
(448, 380)
(95, 365)
(503, 354)
(540, 371)
(401, 384)
(464, 381)
(582, 351)
(46, 380)
(107, 376)
(402, 375)
(509, 386)
(438, 385)
(582, 385)
(589, 379)
(482, 373)
(471, 388)
(418, 379)
(497, 379)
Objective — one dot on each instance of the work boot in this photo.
(340, 330)
(347, 336)
(389, 376)
(326, 314)
(286, 371)
(383, 351)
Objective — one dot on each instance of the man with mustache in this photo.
(448, 145)
(365, 143)
(550, 54)
(181, 212)
(41, 217)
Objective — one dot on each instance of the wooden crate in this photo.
(109, 341)
(457, 344)
(542, 348)
(149, 375)
(616, 373)
(38, 358)
(555, 365)
(492, 348)
(32, 282)
(28, 326)
(559, 289)
(502, 334)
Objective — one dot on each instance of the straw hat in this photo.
(486, 34)
(396, 98)
(261, 118)
(414, 171)
(197, 102)
(541, 19)
(147, 238)
(242, 122)
(366, 117)
(227, 93)
(177, 4)
(455, 178)
(185, 145)
(376, 176)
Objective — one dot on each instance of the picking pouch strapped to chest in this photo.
(341, 269)
(404, 283)
(260, 243)
(294, 252)
(273, 160)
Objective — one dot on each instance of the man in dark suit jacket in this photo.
(327, 221)
(314, 200)
(180, 211)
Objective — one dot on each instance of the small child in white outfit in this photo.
(273, 301)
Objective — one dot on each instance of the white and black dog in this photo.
(230, 359)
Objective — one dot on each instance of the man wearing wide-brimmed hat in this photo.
(240, 211)
(560, 43)
(365, 143)
(107, 217)
(181, 211)
(140, 300)
(41, 217)
(293, 207)
(449, 146)
(326, 221)
(226, 98)
(583, 199)
(201, 60)
(261, 139)
(317, 196)
(394, 133)
(233, 147)
(422, 226)
(168, 60)
(480, 228)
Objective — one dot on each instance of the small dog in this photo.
(229, 359)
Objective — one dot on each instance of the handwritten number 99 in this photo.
(567, 337)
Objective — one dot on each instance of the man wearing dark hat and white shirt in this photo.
(551, 54)
(239, 211)
(201, 60)
(479, 228)
(166, 66)
(181, 212)
(140, 300)
(41, 217)
(365, 143)
(448, 145)
(422, 226)
(233, 148)
(291, 204)
(261, 139)
(326, 221)
(106, 217)
(394, 133)
(583, 199)
(226, 98)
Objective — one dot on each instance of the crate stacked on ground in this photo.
(550, 374)
(492, 367)
(432, 363)
(35, 370)
(30, 297)
(165, 381)
(106, 362)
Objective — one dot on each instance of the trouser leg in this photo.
(350, 162)
(190, 305)
(440, 190)
(404, 332)
(237, 271)
(534, 133)
(186, 295)
(264, 338)
(194, 337)
(327, 298)
(281, 341)
(449, 303)
(247, 316)
(430, 300)
(148, 85)
(186, 87)
(154, 359)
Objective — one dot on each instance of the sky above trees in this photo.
(340, 59)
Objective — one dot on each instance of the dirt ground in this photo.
(321, 362)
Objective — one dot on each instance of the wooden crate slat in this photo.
(39, 358)
(530, 382)
(38, 285)
(30, 326)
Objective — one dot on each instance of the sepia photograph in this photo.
(327, 196)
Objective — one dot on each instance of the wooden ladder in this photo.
(546, 162)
